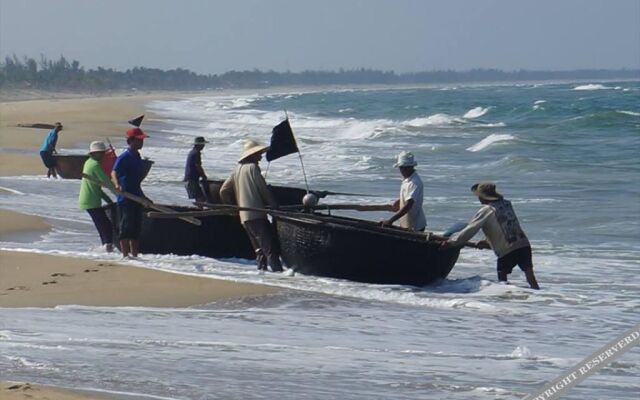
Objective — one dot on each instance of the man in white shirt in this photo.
(499, 222)
(246, 187)
(408, 208)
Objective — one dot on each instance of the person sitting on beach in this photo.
(91, 194)
(48, 149)
(499, 222)
(246, 187)
(127, 175)
(408, 208)
(194, 177)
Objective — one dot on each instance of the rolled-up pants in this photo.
(264, 243)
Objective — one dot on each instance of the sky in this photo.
(400, 35)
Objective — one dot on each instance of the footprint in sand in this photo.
(91, 270)
(49, 283)
(60, 274)
(26, 386)
(18, 288)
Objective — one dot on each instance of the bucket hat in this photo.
(486, 191)
(200, 140)
(97, 146)
(405, 159)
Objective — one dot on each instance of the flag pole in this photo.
(304, 174)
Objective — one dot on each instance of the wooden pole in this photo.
(142, 201)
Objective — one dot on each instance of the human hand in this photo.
(385, 223)
(483, 244)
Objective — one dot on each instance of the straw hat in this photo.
(486, 191)
(405, 159)
(252, 147)
(97, 146)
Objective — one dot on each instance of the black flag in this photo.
(282, 141)
(136, 121)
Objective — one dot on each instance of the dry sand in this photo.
(84, 120)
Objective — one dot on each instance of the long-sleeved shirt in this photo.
(247, 188)
(50, 142)
(500, 225)
(91, 194)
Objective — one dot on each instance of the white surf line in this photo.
(590, 365)
(11, 190)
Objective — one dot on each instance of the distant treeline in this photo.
(63, 75)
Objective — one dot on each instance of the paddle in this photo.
(140, 200)
(226, 209)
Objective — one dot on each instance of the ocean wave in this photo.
(632, 113)
(476, 112)
(490, 141)
(439, 119)
(596, 86)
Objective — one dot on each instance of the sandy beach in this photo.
(30, 391)
(40, 280)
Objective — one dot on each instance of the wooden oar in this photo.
(226, 209)
(355, 207)
(144, 202)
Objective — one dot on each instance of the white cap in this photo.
(405, 159)
(97, 146)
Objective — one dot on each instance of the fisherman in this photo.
(91, 194)
(247, 188)
(408, 208)
(127, 174)
(194, 177)
(48, 149)
(499, 222)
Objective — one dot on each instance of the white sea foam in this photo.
(490, 140)
(632, 113)
(476, 112)
(593, 86)
(439, 119)
(539, 101)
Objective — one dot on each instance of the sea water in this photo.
(565, 154)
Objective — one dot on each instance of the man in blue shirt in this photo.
(194, 177)
(48, 149)
(127, 174)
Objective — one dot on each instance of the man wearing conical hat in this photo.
(408, 208)
(246, 187)
(499, 222)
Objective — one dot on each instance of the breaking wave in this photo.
(489, 141)
(595, 86)
(632, 113)
(476, 112)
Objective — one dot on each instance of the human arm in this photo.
(263, 189)
(227, 193)
(401, 212)
(470, 230)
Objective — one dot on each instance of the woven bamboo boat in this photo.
(219, 236)
(358, 250)
(69, 166)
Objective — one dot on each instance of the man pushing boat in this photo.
(499, 222)
(246, 187)
(408, 207)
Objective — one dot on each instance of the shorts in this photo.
(520, 257)
(130, 220)
(47, 159)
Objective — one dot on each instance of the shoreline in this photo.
(12, 390)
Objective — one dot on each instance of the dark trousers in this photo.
(130, 220)
(198, 190)
(264, 243)
(102, 223)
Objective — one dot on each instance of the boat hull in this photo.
(69, 166)
(328, 249)
(219, 236)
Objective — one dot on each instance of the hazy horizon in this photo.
(284, 35)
